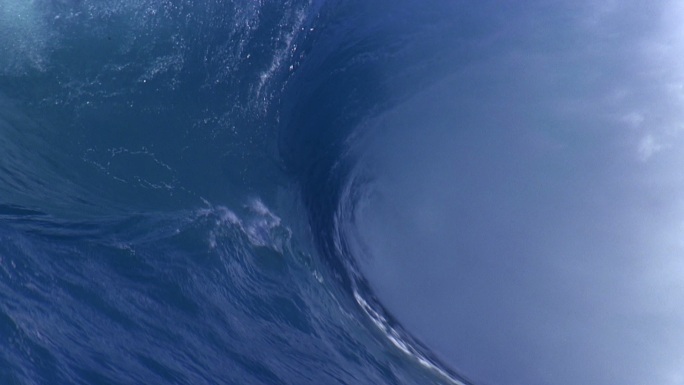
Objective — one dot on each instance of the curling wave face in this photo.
(340, 192)
(169, 181)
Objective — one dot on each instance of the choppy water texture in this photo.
(341, 192)
(169, 177)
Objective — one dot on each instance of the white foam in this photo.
(23, 36)
(396, 339)
(261, 226)
(286, 50)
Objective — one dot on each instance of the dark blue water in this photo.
(172, 180)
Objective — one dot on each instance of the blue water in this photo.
(173, 180)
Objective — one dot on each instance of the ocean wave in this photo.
(172, 179)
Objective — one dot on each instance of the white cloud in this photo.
(633, 119)
(648, 147)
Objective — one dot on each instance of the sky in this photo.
(527, 215)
